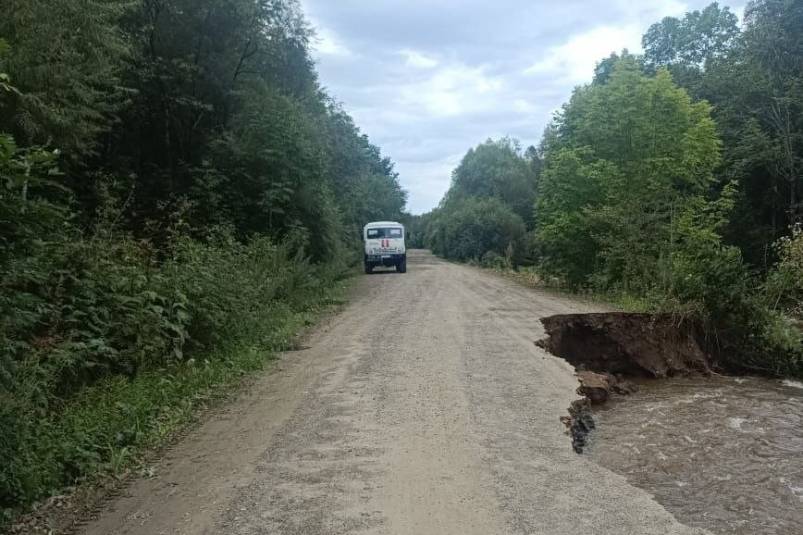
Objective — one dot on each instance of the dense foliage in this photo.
(627, 205)
(174, 183)
(495, 169)
(488, 209)
(673, 180)
(753, 78)
(628, 160)
(477, 229)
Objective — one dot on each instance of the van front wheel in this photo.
(401, 267)
(368, 268)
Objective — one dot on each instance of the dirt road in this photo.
(423, 408)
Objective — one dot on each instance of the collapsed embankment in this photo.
(638, 345)
(608, 348)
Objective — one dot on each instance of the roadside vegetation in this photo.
(178, 198)
(670, 183)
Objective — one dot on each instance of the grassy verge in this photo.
(530, 278)
(768, 341)
(110, 427)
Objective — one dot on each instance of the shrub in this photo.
(494, 260)
(474, 227)
(784, 286)
(106, 315)
(83, 315)
(80, 311)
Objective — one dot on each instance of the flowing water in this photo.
(720, 453)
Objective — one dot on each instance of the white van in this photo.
(384, 246)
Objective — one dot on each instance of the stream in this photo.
(720, 453)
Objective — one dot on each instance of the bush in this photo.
(106, 316)
(80, 311)
(87, 319)
(91, 317)
(475, 227)
(494, 260)
(784, 286)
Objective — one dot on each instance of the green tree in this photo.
(772, 26)
(604, 68)
(474, 227)
(66, 58)
(697, 38)
(417, 227)
(364, 182)
(496, 169)
(627, 157)
(174, 184)
(629, 203)
(572, 186)
(756, 97)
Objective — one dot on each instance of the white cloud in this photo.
(574, 60)
(451, 91)
(655, 10)
(522, 105)
(418, 60)
(327, 44)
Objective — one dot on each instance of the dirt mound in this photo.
(598, 387)
(619, 343)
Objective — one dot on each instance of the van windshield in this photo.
(379, 233)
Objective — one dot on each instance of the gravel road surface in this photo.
(423, 408)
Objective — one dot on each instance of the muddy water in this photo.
(724, 454)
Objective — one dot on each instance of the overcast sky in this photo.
(428, 79)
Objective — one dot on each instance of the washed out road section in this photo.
(423, 408)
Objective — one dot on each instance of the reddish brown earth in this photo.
(607, 347)
(620, 343)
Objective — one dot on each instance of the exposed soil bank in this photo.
(607, 348)
(619, 343)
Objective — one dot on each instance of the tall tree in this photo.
(628, 157)
(604, 68)
(774, 48)
(496, 169)
(66, 58)
(753, 80)
(697, 38)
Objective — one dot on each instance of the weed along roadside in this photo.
(92, 442)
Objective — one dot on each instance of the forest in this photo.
(670, 183)
(178, 195)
